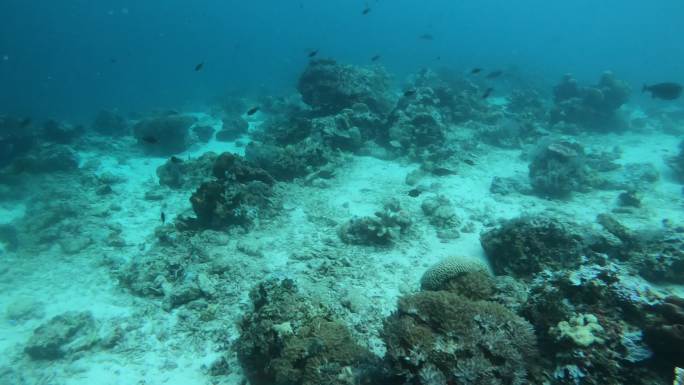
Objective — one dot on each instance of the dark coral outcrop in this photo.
(591, 107)
(164, 135)
(289, 340)
(330, 87)
(439, 337)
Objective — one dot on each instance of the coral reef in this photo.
(287, 340)
(527, 245)
(16, 138)
(177, 173)
(110, 123)
(558, 168)
(590, 322)
(386, 227)
(439, 337)
(239, 195)
(329, 87)
(591, 107)
(164, 135)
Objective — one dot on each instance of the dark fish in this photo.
(475, 71)
(665, 91)
(113, 60)
(149, 139)
(375, 58)
(415, 192)
(469, 162)
(176, 160)
(199, 66)
(426, 36)
(487, 92)
(313, 53)
(252, 111)
(163, 217)
(409, 93)
(366, 10)
(494, 74)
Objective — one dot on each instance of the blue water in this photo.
(68, 59)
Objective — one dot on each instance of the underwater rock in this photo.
(288, 340)
(665, 332)
(330, 87)
(677, 163)
(47, 158)
(177, 173)
(591, 107)
(110, 123)
(441, 214)
(558, 168)
(240, 194)
(203, 133)
(291, 161)
(9, 236)
(439, 337)
(386, 227)
(164, 135)
(60, 132)
(659, 258)
(232, 129)
(527, 245)
(63, 335)
(509, 185)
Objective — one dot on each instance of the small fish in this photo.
(442, 171)
(469, 162)
(149, 139)
(253, 111)
(664, 91)
(113, 60)
(475, 71)
(176, 160)
(199, 67)
(426, 36)
(375, 58)
(487, 92)
(313, 53)
(366, 10)
(409, 93)
(494, 74)
(414, 193)
(163, 217)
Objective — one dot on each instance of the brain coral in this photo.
(447, 269)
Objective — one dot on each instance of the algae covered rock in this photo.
(47, 158)
(439, 337)
(288, 340)
(385, 227)
(63, 335)
(178, 173)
